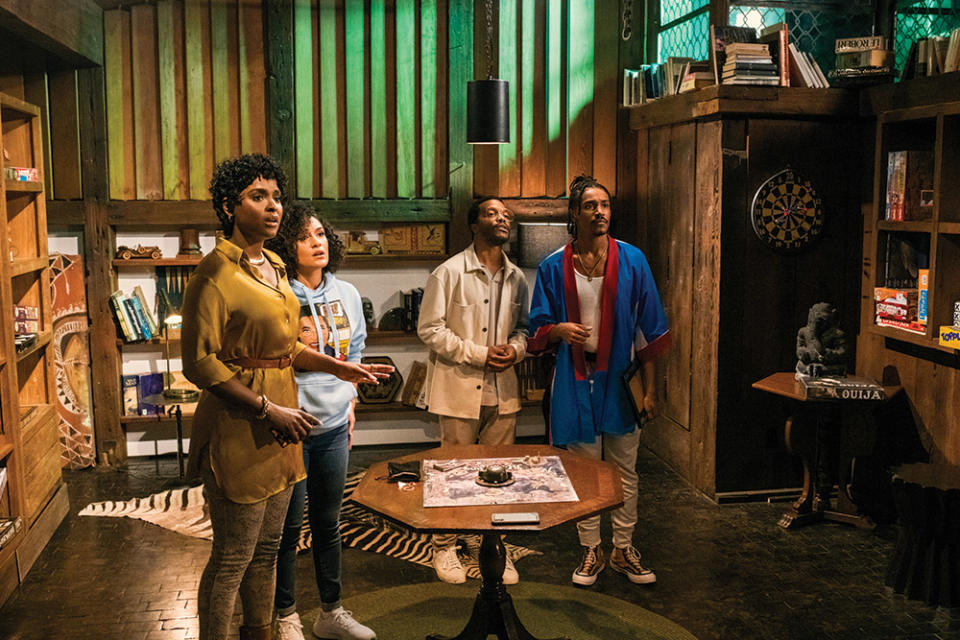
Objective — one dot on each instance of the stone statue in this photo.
(368, 312)
(821, 344)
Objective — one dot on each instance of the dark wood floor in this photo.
(723, 571)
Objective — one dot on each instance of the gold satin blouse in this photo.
(229, 311)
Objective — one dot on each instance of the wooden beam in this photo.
(99, 245)
(539, 208)
(278, 18)
(65, 214)
(460, 65)
(73, 31)
(135, 214)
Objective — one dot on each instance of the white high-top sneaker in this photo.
(340, 625)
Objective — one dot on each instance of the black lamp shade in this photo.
(488, 112)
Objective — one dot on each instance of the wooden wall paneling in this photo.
(341, 104)
(113, 59)
(704, 354)
(146, 116)
(390, 49)
(428, 105)
(278, 16)
(167, 89)
(533, 135)
(556, 99)
(406, 100)
(206, 34)
(219, 80)
(180, 99)
(508, 50)
(355, 32)
(607, 26)
(304, 71)
(678, 239)
(196, 111)
(580, 89)
(252, 78)
(486, 158)
(72, 31)
(460, 61)
(233, 78)
(378, 100)
(441, 103)
(99, 242)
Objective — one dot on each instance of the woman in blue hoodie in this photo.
(331, 321)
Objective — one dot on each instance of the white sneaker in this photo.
(510, 575)
(340, 625)
(447, 564)
(288, 627)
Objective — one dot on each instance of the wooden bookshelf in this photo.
(932, 128)
(29, 432)
(364, 260)
(150, 263)
(375, 336)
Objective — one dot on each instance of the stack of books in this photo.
(861, 61)
(910, 194)
(750, 63)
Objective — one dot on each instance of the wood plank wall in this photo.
(186, 88)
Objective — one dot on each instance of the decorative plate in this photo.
(384, 392)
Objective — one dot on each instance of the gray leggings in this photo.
(242, 560)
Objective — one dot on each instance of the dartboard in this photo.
(786, 212)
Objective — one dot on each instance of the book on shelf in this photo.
(800, 75)
(129, 386)
(910, 194)
(933, 56)
(820, 80)
(860, 43)
(143, 327)
(840, 388)
(777, 38)
(149, 384)
(148, 314)
(923, 293)
(673, 73)
(122, 316)
(721, 37)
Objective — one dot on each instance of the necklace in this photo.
(591, 272)
(259, 262)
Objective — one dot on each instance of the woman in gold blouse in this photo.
(239, 341)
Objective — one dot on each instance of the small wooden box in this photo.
(397, 239)
(431, 238)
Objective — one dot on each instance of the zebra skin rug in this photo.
(184, 511)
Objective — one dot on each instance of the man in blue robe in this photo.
(596, 302)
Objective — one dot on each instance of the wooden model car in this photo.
(357, 243)
(141, 252)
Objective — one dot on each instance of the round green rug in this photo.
(412, 611)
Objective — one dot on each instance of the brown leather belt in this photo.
(282, 362)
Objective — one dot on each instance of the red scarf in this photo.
(608, 304)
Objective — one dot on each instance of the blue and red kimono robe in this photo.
(631, 319)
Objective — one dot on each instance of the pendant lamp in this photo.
(488, 106)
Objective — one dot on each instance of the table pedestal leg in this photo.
(179, 415)
(493, 612)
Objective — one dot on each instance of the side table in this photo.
(926, 561)
(827, 434)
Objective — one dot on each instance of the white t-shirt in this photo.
(589, 292)
(490, 397)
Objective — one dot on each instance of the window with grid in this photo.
(814, 26)
(917, 19)
(684, 29)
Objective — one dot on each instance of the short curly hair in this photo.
(234, 175)
(579, 184)
(293, 228)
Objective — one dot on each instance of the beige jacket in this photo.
(453, 319)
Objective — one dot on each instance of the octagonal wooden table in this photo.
(597, 484)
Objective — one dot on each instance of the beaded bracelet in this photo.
(264, 407)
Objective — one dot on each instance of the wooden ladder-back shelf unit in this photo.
(932, 128)
(29, 425)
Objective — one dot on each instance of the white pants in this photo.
(622, 452)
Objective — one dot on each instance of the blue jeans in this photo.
(325, 456)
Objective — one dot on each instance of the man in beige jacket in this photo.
(473, 316)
